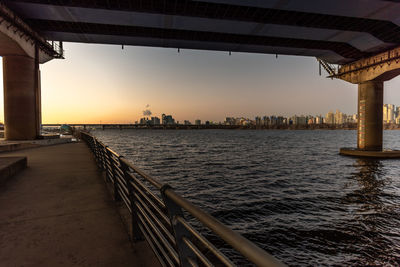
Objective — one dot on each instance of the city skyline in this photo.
(391, 115)
(103, 83)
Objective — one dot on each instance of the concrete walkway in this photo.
(58, 212)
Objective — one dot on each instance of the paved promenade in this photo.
(58, 212)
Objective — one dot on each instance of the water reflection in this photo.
(370, 214)
(370, 177)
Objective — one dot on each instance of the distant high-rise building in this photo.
(167, 120)
(144, 121)
(299, 120)
(230, 121)
(280, 120)
(355, 117)
(390, 113)
(155, 121)
(170, 120)
(385, 113)
(397, 121)
(163, 119)
(397, 112)
(318, 120)
(258, 121)
(197, 122)
(340, 118)
(273, 120)
(265, 121)
(330, 118)
(186, 122)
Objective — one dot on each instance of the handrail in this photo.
(154, 182)
(161, 221)
(248, 249)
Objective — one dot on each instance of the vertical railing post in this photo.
(99, 148)
(107, 164)
(180, 231)
(117, 196)
(101, 155)
(97, 152)
(103, 164)
(101, 152)
(92, 143)
(136, 232)
(88, 143)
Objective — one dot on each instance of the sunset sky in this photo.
(103, 83)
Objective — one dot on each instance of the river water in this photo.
(287, 191)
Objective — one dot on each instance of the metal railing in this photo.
(58, 47)
(25, 31)
(157, 215)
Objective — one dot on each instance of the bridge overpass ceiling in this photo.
(361, 41)
(372, 9)
(15, 41)
(215, 46)
(339, 31)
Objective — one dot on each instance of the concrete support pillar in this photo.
(370, 116)
(21, 98)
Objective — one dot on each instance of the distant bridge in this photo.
(146, 126)
(213, 126)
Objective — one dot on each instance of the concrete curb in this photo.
(7, 147)
(16, 146)
(9, 166)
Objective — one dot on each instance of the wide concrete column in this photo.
(370, 116)
(21, 98)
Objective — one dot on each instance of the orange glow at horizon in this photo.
(105, 84)
(112, 89)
